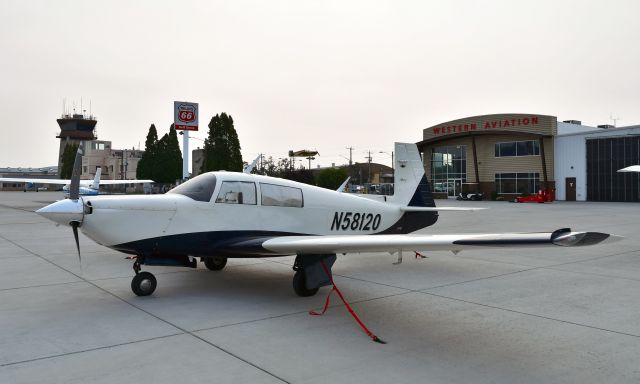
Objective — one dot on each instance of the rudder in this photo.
(411, 186)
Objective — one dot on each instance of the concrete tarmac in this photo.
(554, 315)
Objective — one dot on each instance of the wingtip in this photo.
(580, 239)
(613, 239)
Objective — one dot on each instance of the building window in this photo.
(518, 148)
(448, 169)
(281, 196)
(237, 192)
(518, 182)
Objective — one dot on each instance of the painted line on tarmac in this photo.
(183, 330)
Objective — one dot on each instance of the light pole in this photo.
(191, 137)
(393, 170)
(185, 156)
(310, 158)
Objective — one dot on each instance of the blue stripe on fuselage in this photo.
(202, 244)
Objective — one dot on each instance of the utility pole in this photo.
(369, 160)
(350, 155)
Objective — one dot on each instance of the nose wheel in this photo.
(143, 283)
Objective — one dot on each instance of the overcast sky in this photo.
(321, 75)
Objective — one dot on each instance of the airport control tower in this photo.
(75, 128)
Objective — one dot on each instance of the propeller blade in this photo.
(74, 187)
(74, 226)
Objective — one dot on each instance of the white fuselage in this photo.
(116, 220)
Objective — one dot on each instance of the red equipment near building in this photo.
(543, 196)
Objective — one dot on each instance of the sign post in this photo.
(185, 118)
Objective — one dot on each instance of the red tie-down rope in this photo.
(326, 306)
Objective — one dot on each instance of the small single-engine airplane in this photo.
(220, 215)
(87, 187)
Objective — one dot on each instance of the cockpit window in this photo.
(281, 196)
(200, 188)
(237, 192)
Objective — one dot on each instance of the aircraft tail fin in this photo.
(249, 168)
(343, 185)
(411, 187)
(96, 180)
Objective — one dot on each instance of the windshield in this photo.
(200, 188)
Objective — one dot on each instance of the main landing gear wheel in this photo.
(143, 284)
(215, 263)
(299, 285)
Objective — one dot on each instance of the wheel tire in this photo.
(143, 284)
(215, 263)
(299, 285)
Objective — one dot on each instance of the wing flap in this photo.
(393, 243)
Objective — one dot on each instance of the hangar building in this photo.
(587, 162)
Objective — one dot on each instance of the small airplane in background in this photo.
(86, 187)
(220, 215)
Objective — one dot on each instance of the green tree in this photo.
(162, 159)
(284, 169)
(167, 162)
(331, 178)
(174, 155)
(68, 158)
(146, 163)
(301, 175)
(222, 146)
(267, 167)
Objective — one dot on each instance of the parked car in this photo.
(475, 196)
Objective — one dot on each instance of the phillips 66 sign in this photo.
(185, 116)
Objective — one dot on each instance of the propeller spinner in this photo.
(69, 211)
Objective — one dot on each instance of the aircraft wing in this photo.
(114, 182)
(36, 181)
(392, 243)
